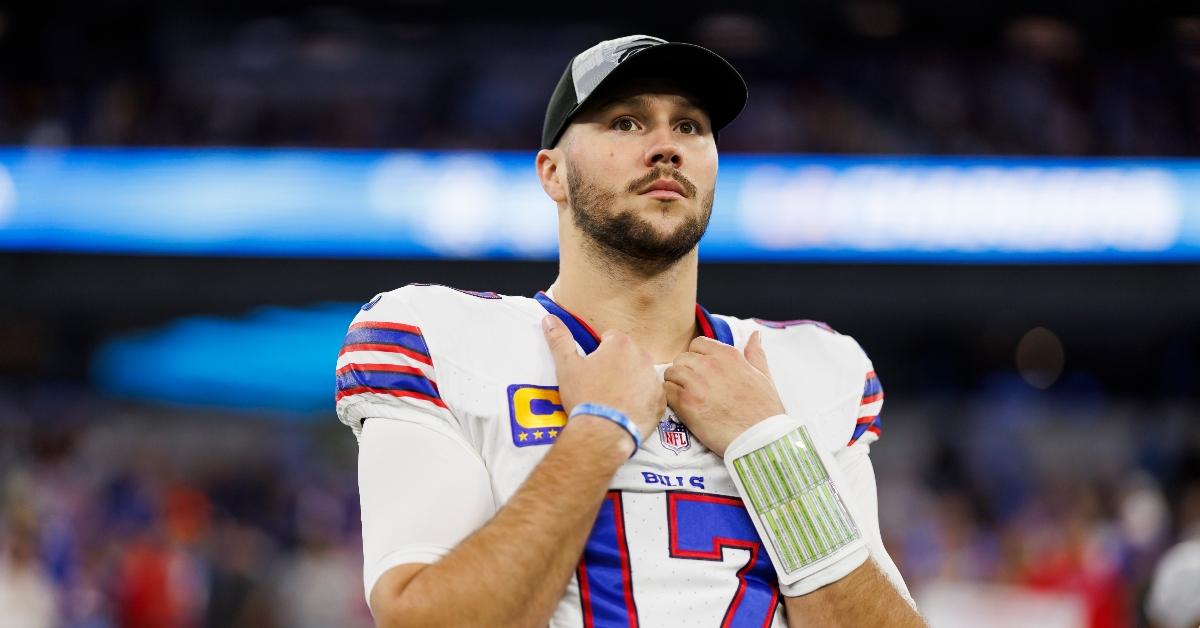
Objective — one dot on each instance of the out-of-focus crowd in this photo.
(133, 516)
(870, 77)
(1055, 503)
(118, 514)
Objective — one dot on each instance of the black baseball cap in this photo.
(702, 72)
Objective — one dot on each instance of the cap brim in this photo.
(699, 71)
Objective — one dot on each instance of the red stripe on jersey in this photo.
(391, 368)
(388, 368)
(626, 572)
(387, 349)
(705, 328)
(585, 594)
(582, 322)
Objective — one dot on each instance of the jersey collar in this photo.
(588, 339)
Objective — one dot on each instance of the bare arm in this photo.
(721, 393)
(866, 596)
(863, 598)
(514, 569)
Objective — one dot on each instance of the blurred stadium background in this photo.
(998, 199)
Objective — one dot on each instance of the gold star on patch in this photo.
(523, 436)
(537, 435)
(553, 433)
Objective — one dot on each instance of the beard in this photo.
(624, 238)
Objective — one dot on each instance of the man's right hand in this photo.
(618, 374)
(557, 503)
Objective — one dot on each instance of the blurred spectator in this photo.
(158, 517)
(1174, 599)
(27, 595)
(876, 80)
(319, 584)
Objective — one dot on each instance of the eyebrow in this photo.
(642, 103)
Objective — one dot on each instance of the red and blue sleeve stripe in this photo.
(387, 379)
(874, 426)
(387, 337)
(872, 389)
(869, 420)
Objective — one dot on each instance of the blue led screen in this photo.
(477, 205)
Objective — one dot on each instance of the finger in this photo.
(688, 359)
(756, 355)
(700, 367)
(677, 399)
(674, 392)
(707, 346)
(562, 345)
(680, 375)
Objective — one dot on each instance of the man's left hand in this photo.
(719, 392)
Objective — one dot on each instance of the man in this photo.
(608, 453)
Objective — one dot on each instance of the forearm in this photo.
(865, 597)
(804, 503)
(514, 569)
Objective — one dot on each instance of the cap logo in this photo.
(592, 65)
(625, 50)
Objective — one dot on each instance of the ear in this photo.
(551, 175)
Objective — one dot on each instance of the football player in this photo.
(608, 452)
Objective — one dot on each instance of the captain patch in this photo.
(535, 413)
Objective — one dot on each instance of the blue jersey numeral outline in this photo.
(700, 527)
(605, 576)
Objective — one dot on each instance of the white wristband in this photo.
(790, 488)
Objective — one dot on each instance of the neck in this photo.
(658, 309)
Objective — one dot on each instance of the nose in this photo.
(662, 152)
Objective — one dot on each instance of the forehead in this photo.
(644, 94)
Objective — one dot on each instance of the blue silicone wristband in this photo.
(614, 415)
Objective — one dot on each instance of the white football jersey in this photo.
(672, 545)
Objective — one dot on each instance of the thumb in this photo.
(562, 345)
(755, 354)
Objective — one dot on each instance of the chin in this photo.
(667, 216)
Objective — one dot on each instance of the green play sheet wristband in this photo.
(790, 490)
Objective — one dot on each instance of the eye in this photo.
(688, 127)
(625, 124)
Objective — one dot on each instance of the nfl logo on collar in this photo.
(673, 435)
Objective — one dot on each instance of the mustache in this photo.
(689, 188)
